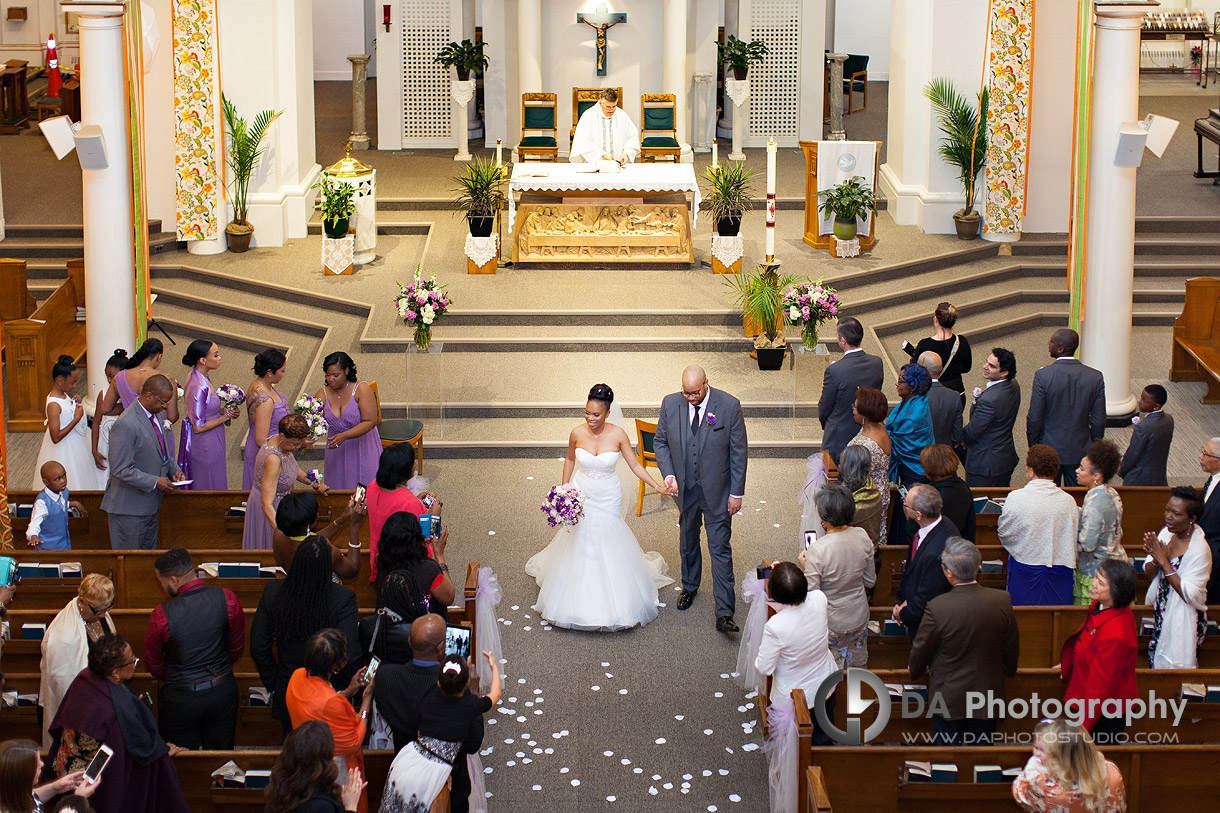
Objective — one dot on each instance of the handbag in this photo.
(387, 633)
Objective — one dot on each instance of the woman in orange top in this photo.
(311, 697)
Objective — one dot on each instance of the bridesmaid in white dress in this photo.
(594, 576)
(67, 438)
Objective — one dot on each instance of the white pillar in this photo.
(529, 46)
(474, 124)
(1105, 339)
(703, 111)
(673, 65)
(724, 127)
(110, 285)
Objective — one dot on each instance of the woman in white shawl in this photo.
(65, 647)
(1179, 564)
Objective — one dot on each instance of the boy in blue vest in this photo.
(48, 528)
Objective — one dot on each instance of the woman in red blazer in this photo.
(1098, 662)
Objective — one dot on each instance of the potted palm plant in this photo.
(847, 201)
(245, 148)
(337, 205)
(738, 54)
(729, 196)
(480, 190)
(965, 144)
(465, 56)
(759, 295)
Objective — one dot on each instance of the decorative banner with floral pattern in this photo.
(1010, 63)
(196, 89)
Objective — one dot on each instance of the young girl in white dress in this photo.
(67, 438)
(594, 576)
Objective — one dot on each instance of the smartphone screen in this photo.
(457, 641)
(98, 763)
(428, 501)
(372, 670)
(810, 538)
(902, 492)
(360, 491)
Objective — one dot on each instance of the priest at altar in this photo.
(605, 132)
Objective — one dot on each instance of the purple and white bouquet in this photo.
(311, 408)
(808, 305)
(564, 505)
(420, 303)
(230, 395)
(313, 476)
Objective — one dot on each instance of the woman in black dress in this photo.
(305, 778)
(954, 350)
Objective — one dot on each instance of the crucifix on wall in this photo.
(600, 21)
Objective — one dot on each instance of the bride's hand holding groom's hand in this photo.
(671, 486)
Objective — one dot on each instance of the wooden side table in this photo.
(14, 101)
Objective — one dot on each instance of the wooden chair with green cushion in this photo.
(400, 430)
(658, 130)
(855, 79)
(645, 431)
(538, 130)
(582, 100)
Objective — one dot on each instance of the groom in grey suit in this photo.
(141, 468)
(702, 430)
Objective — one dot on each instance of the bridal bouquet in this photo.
(230, 395)
(420, 303)
(311, 408)
(563, 505)
(808, 305)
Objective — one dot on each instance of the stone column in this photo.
(673, 62)
(359, 139)
(837, 131)
(703, 109)
(529, 46)
(474, 124)
(724, 126)
(738, 90)
(1105, 330)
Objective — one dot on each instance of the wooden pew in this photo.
(15, 299)
(33, 344)
(817, 798)
(1196, 337)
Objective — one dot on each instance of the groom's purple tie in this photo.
(694, 425)
(160, 437)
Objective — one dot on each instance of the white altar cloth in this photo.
(633, 177)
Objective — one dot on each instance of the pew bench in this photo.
(1196, 337)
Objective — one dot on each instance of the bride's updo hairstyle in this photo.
(602, 393)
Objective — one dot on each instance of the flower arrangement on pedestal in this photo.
(420, 303)
(809, 305)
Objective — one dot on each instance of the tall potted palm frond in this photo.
(965, 144)
(759, 295)
(464, 57)
(728, 197)
(480, 194)
(245, 147)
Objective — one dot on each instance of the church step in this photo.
(573, 412)
(71, 247)
(32, 230)
(1186, 224)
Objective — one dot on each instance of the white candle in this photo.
(499, 147)
(715, 160)
(771, 150)
(770, 244)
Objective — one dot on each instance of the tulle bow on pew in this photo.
(754, 593)
(781, 750)
(485, 602)
(815, 480)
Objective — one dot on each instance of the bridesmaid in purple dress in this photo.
(353, 446)
(265, 407)
(201, 452)
(275, 471)
(126, 386)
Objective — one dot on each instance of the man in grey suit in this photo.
(1067, 410)
(856, 369)
(991, 453)
(1146, 461)
(703, 432)
(944, 405)
(142, 469)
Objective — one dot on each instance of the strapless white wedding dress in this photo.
(593, 576)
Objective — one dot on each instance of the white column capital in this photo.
(1129, 14)
(95, 10)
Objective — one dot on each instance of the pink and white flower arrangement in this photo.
(230, 395)
(311, 408)
(808, 305)
(564, 505)
(420, 303)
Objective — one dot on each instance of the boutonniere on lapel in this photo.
(976, 392)
(1135, 421)
(167, 425)
(711, 419)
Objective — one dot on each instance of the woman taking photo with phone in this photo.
(20, 767)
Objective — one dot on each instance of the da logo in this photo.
(846, 162)
(857, 704)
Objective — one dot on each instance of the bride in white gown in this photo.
(593, 576)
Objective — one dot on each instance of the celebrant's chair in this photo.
(658, 130)
(582, 100)
(645, 432)
(855, 79)
(538, 131)
(400, 430)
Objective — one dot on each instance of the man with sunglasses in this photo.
(142, 468)
(1209, 520)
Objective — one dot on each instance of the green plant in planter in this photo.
(480, 190)
(965, 144)
(759, 295)
(337, 205)
(245, 148)
(466, 56)
(729, 196)
(739, 55)
(847, 201)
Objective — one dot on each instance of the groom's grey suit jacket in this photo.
(135, 465)
(718, 455)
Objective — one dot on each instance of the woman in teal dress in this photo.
(909, 426)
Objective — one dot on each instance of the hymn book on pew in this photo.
(230, 775)
(994, 774)
(915, 771)
(259, 696)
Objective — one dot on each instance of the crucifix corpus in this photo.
(600, 21)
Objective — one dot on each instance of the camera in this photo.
(8, 571)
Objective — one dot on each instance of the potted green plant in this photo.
(847, 201)
(480, 190)
(965, 144)
(729, 196)
(759, 295)
(465, 56)
(245, 148)
(738, 54)
(337, 205)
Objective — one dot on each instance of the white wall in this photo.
(338, 30)
(1049, 178)
(863, 27)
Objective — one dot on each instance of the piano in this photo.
(1208, 128)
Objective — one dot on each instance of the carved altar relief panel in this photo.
(600, 232)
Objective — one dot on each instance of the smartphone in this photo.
(902, 492)
(372, 670)
(910, 351)
(763, 572)
(94, 771)
(428, 501)
(457, 641)
(361, 488)
(810, 538)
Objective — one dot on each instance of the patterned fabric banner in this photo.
(1010, 63)
(196, 90)
(1080, 160)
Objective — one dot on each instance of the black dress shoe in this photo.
(727, 624)
(686, 599)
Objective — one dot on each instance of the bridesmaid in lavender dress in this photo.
(353, 447)
(201, 452)
(126, 386)
(265, 407)
(275, 471)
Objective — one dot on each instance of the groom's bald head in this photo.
(694, 384)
